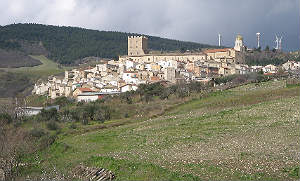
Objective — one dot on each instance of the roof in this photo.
(98, 93)
(155, 78)
(82, 89)
(129, 85)
(216, 50)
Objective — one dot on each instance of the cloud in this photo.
(192, 20)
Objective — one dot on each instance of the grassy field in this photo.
(246, 133)
(47, 68)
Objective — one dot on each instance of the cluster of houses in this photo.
(141, 67)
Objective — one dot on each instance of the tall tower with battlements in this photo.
(137, 45)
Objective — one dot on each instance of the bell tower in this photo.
(239, 44)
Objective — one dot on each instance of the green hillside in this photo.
(67, 44)
(14, 81)
(245, 133)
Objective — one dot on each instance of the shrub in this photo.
(73, 126)
(165, 94)
(47, 140)
(85, 122)
(47, 115)
(147, 91)
(75, 114)
(107, 113)
(99, 116)
(52, 125)
(37, 132)
(196, 86)
(6, 118)
(127, 96)
(225, 79)
(62, 101)
(126, 115)
(183, 91)
(89, 111)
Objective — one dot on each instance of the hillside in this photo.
(11, 84)
(65, 45)
(264, 58)
(245, 133)
(20, 80)
(15, 59)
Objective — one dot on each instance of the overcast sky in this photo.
(189, 20)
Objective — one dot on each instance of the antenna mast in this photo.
(220, 37)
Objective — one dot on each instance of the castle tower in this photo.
(137, 45)
(239, 44)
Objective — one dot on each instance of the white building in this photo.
(128, 87)
(291, 65)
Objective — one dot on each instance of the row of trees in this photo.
(265, 61)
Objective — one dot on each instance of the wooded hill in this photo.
(65, 45)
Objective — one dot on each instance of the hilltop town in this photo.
(143, 67)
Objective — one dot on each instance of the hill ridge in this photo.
(67, 44)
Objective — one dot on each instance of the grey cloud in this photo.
(190, 20)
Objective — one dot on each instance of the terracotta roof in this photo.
(216, 50)
(155, 78)
(85, 89)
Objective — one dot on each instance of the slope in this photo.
(246, 133)
(67, 44)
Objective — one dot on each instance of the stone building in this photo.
(137, 45)
(169, 74)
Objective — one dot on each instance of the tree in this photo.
(258, 49)
(182, 49)
(267, 48)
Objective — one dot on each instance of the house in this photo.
(128, 87)
(109, 88)
(93, 96)
(40, 89)
(81, 90)
(291, 65)
(130, 77)
(256, 68)
(88, 97)
(269, 69)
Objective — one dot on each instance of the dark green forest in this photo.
(67, 44)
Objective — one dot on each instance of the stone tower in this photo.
(239, 44)
(137, 45)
